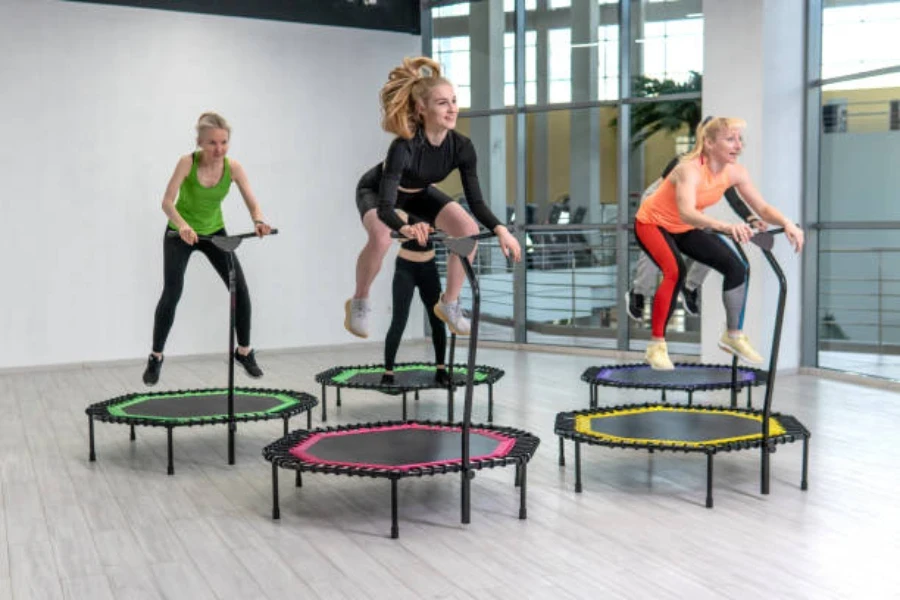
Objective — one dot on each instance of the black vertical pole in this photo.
(451, 389)
(470, 384)
(773, 364)
(232, 291)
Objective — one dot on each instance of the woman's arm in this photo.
(468, 174)
(182, 170)
(766, 211)
(239, 176)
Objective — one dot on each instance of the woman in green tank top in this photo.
(200, 183)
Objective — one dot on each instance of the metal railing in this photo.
(859, 300)
(571, 286)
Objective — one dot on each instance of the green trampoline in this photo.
(408, 377)
(188, 408)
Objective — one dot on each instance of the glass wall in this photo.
(555, 157)
(855, 91)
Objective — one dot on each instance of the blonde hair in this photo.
(407, 85)
(211, 120)
(709, 130)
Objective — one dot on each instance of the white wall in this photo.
(753, 69)
(98, 103)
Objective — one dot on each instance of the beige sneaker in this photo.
(356, 317)
(657, 356)
(451, 314)
(740, 347)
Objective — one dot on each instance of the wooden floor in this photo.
(122, 528)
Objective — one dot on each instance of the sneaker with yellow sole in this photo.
(657, 356)
(739, 346)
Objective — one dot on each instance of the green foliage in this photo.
(665, 115)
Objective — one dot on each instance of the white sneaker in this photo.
(451, 314)
(356, 317)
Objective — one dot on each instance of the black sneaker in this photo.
(387, 379)
(151, 373)
(635, 303)
(249, 364)
(442, 377)
(690, 300)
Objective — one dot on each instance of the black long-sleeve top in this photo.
(416, 164)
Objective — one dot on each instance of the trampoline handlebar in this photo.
(250, 234)
(440, 236)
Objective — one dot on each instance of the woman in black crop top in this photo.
(421, 110)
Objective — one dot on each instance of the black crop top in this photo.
(416, 164)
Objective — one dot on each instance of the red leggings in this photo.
(665, 249)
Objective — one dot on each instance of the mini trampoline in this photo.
(687, 377)
(207, 406)
(398, 449)
(188, 408)
(408, 377)
(395, 450)
(709, 430)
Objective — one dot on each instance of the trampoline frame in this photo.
(326, 379)
(466, 467)
(759, 378)
(794, 430)
(279, 454)
(766, 444)
(100, 412)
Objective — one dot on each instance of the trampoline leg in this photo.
(309, 418)
(764, 475)
(709, 480)
(466, 497)
(664, 396)
(523, 480)
(92, 456)
(417, 396)
(171, 469)
(803, 483)
(285, 426)
(132, 436)
(276, 511)
(232, 428)
(450, 403)
(490, 403)
(337, 400)
(595, 392)
(578, 487)
(324, 403)
(749, 396)
(518, 479)
(298, 479)
(404, 406)
(562, 453)
(690, 398)
(395, 528)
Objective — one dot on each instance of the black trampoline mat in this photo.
(398, 447)
(199, 405)
(676, 426)
(682, 376)
(404, 379)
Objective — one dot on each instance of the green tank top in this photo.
(199, 206)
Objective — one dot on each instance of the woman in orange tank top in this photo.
(671, 222)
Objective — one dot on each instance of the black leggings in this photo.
(176, 254)
(409, 275)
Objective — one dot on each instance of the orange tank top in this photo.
(661, 209)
